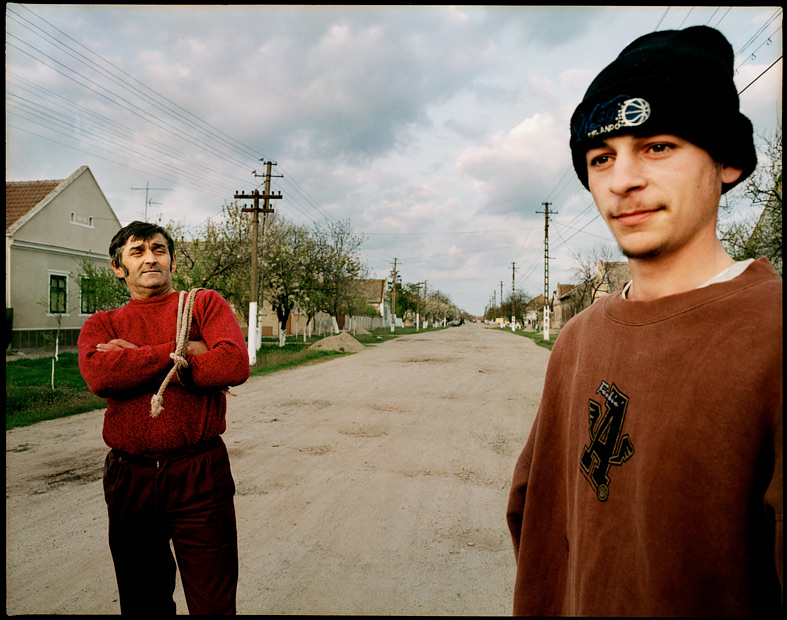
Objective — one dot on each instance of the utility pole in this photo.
(147, 191)
(265, 212)
(393, 297)
(418, 305)
(513, 290)
(546, 213)
(502, 318)
(254, 334)
(426, 310)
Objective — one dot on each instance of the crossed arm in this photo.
(110, 364)
(195, 347)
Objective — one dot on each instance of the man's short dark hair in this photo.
(137, 230)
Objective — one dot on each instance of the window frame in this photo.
(57, 276)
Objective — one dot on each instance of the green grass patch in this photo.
(271, 357)
(538, 338)
(30, 397)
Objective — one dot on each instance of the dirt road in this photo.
(372, 484)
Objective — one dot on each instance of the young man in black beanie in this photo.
(651, 482)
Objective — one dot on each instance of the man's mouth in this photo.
(633, 218)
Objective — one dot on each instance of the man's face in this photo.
(146, 267)
(658, 194)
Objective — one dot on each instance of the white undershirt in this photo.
(733, 271)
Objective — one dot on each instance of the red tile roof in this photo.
(22, 196)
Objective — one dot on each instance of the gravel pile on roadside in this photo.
(342, 342)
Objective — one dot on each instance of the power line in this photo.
(162, 104)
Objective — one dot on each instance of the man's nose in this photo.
(627, 174)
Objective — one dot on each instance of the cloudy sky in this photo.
(439, 131)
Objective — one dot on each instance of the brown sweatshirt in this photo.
(651, 481)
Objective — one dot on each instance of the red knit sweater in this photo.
(128, 379)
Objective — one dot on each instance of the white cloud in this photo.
(451, 121)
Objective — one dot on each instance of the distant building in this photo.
(570, 300)
(566, 304)
(50, 227)
(374, 293)
(534, 312)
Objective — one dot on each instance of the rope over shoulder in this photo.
(185, 309)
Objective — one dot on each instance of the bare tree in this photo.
(753, 236)
(586, 271)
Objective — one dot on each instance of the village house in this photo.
(565, 304)
(534, 312)
(373, 292)
(50, 228)
(570, 299)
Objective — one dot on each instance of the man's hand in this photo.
(196, 347)
(115, 345)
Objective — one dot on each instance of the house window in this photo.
(87, 296)
(57, 293)
(81, 220)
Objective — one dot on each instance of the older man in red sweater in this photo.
(167, 476)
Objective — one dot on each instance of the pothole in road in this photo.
(80, 475)
(316, 450)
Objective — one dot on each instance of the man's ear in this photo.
(730, 174)
(120, 272)
(172, 266)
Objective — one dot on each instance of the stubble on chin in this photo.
(641, 254)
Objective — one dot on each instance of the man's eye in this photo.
(599, 160)
(660, 148)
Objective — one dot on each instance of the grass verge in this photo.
(272, 358)
(30, 397)
(538, 338)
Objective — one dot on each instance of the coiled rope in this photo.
(185, 308)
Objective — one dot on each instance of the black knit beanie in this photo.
(677, 82)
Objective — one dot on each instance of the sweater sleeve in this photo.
(109, 373)
(226, 362)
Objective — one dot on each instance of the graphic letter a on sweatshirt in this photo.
(608, 445)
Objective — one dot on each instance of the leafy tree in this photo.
(288, 270)
(514, 305)
(217, 256)
(100, 288)
(340, 267)
(311, 270)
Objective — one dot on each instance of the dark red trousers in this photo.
(187, 499)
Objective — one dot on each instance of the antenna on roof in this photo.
(148, 201)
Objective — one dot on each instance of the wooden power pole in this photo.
(254, 335)
(546, 213)
(393, 297)
(513, 291)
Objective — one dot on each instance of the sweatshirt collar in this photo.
(622, 310)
